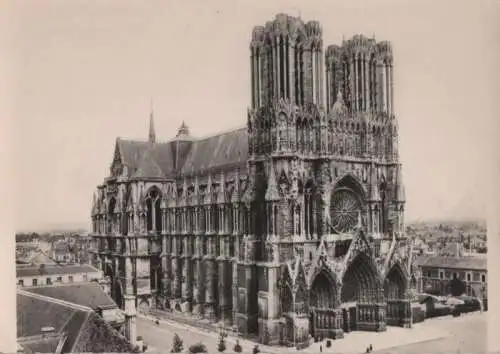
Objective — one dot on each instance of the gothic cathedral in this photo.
(289, 227)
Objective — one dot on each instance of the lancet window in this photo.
(153, 211)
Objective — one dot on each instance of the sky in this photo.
(81, 73)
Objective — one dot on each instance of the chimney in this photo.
(47, 331)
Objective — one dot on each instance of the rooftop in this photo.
(54, 270)
(84, 294)
(81, 329)
(465, 262)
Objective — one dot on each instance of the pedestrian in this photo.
(320, 348)
(371, 348)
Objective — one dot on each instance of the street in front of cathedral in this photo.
(440, 335)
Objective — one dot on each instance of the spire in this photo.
(152, 133)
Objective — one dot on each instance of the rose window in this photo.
(345, 209)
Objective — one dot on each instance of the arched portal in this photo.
(361, 296)
(360, 282)
(325, 316)
(322, 292)
(394, 291)
(394, 284)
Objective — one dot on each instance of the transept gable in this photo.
(130, 152)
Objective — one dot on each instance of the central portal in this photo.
(362, 296)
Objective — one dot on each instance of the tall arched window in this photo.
(153, 210)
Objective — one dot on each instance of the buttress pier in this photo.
(289, 228)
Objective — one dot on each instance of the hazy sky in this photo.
(83, 73)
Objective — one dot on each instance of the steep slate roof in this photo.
(85, 294)
(147, 167)
(157, 160)
(472, 263)
(54, 270)
(85, 331)
(218, 151)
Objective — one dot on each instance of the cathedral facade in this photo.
(289, 227)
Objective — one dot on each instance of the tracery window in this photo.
(345, 208)
(153, 211)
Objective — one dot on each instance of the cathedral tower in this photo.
(286, 62)
(362, 70)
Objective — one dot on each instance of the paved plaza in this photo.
(465, 334)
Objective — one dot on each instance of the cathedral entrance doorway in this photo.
(325, 320)
(394, 287)
(362, 297)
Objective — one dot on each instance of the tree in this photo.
(222, 342)
(177, 345)
(198, 348)
(457, 287)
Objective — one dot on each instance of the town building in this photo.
(289, 227)
(438, 271)
(90, 294)
(55, 274)
(50, 325)
(61, 252)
